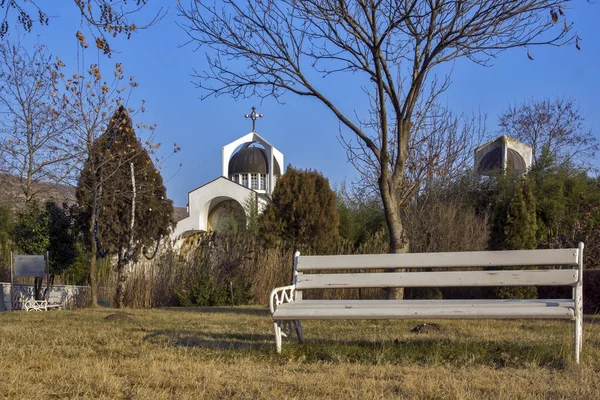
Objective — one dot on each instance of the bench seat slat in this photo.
(441, 260)
(458, 312)
(438, 279)
(428, 303)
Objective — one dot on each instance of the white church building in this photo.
(250, 168)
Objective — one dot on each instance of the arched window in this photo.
(262, 183)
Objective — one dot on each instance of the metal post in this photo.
(12, 283)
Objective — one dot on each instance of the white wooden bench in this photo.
(288, 308)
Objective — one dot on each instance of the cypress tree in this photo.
(520, 227)
(516, 229)
(122, 219)
(302, 212)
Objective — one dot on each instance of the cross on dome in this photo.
(253, 116)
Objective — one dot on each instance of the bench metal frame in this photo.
(288, 308)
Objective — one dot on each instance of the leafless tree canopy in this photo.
(270, 47)
(554, 126)
(105, 18)
(34, 146)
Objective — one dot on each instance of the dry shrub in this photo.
(236, 261)
(81, 299)
(209, 265)
(441, 224)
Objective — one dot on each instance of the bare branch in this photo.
(391, 47)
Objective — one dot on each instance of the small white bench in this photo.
(288, 308)
(35, 305)
(56, 301)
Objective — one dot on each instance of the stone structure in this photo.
(503, 154)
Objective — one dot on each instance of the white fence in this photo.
(23, 292)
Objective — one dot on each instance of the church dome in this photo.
(251, 160)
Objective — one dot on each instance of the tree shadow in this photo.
(429, 351)
(210, 340)
(421, 350)
(221, 310)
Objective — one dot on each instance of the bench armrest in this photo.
(35, 305)
(280, 295)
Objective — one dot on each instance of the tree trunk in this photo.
(37, 289)
(391, 195)
(120, 292)
(93, 280)
(93, 266)
(398, 244)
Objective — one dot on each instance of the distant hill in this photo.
(11, 193)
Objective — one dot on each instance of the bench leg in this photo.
(578, 323)
(299, 331)
(277, 328)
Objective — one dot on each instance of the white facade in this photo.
(213, 204)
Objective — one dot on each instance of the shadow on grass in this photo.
(432, 351)
(223, 341)
(221, 310)
(425, 351)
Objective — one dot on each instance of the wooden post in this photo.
(297, 293)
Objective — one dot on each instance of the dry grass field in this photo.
(222, 353)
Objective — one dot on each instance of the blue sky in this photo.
(302, 128)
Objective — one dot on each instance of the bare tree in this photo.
(267, 48)
(440, 151)
(34, 146)
(105, 18)
(551, 126)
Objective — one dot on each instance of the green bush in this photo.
(219, 270)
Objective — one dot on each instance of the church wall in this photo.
(201, 200)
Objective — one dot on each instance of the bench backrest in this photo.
(475, 259)
(56, 297)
